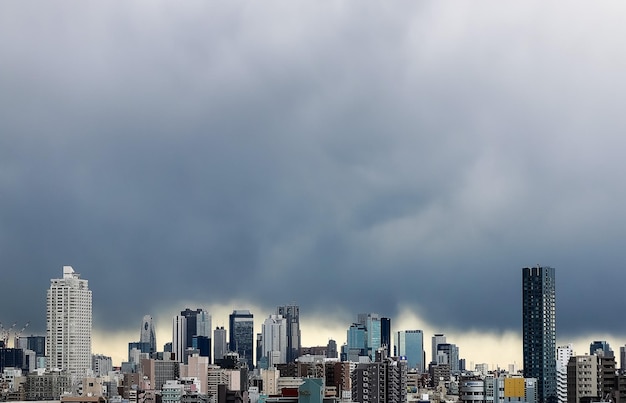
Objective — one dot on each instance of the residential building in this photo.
(582, 378)
(68, 324)
(383, 380)
(539, 330)
(563, 354)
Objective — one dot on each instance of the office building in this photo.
(385, 334)
(147, 333)
(437, 339)
(220, 346)
(539, 330)
(274, 340)
(373, 334)
(410, 344)
(448, 353)
(241, 335)
(198, 324)
(601, 348)
(291, 313)
(357, 343)
(68, 324)
(179, 337)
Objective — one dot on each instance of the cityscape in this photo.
(202, 363)
(312, 201)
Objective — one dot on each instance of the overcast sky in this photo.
(347, 156)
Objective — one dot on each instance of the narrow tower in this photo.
(68, 323)
(539, 330)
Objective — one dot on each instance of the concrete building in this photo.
(101, 365)
(582, 378)
(437, 339)
(539, 330)
(563, 354)
(381, 381)
(68, 324)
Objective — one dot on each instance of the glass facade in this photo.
(241, 335)
(539, 330)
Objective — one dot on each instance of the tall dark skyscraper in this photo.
(385, 334)
(292, 315)
(539, 330)
(241, 335)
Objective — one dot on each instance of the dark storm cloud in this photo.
(364, 157)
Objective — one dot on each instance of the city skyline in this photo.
(402, 159)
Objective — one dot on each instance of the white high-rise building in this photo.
(68, 341)
(563, 354)
(275, 340)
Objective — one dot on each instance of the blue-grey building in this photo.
(601, 347)
(241, 335)
(385, 334)
(410, 344)
(539, 330)
(357, 342)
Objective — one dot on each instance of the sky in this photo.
(404, 158)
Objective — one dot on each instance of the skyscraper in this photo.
(147, 334)
(198, 324)
(220, 347)
(372, 324)
(274, 340)
(179, 337)
(241, 335)
(68, 323)
(410, 344)
(437, 339)
(385, 334)
(539, 330)
(291, 313)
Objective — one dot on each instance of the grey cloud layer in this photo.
(363, 156)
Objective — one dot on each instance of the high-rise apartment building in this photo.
(291, 313)
(563, 354)
(241, 335)
(539, 330)
(410, 344)
(147, 333)
(68, 323)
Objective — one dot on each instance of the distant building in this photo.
(410, 344)
(101, 364)
(179, 337)
(373, 334)
(274, 340)
(291, 313)
(437, 339)
(601, 348)
(539, 330)
(241, 338)
(385, 334)
(331, 349)
(220, 347)
(148, 334)
(69, 316)
(357, 342)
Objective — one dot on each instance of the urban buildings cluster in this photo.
(374, 364)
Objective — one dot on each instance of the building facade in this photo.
(539, 330)
(241, 337)
(148, 334)
(291, 313)
(410, 344)
(68, 324)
